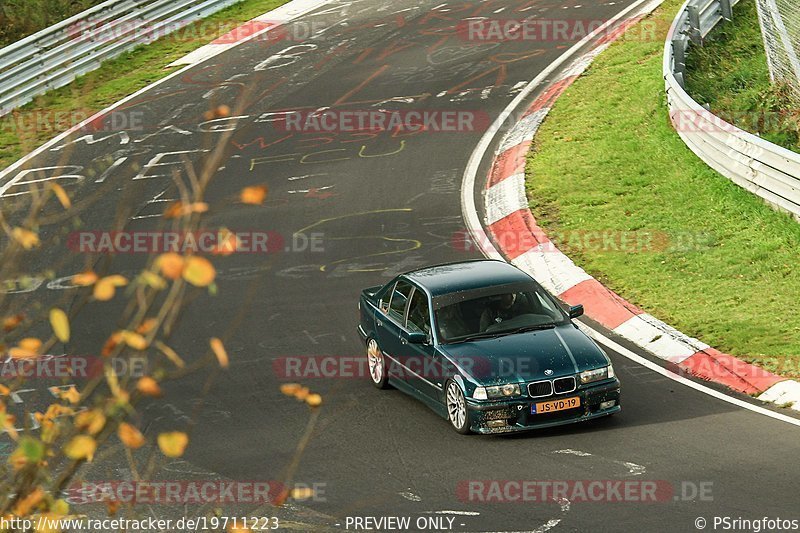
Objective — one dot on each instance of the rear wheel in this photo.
(377, 365)
(457, 412)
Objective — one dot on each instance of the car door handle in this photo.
(380, 324)
(403, 340)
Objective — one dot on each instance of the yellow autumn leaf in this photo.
(27, 238)
(254, 195)
(106, 287)
(91, 421)
(61, 194)
(199, 271)
(60, 324)
(173, 443)
(302, 493)
(151, 279)
(134, 340)
(130, 436)
(148, 386)
(170, 264)
(314, 400)
(219, 350)
(81, 447)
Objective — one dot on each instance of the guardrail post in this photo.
(679, 54)
(694, 24)
(727, 9)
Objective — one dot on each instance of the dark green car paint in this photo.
(522, 358)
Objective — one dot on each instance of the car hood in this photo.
(564, 350)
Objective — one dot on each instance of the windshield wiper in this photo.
(478, 336)
(523, 329)
(493, 334)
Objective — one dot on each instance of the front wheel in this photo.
(377, 365)
(457, 412)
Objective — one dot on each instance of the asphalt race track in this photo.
(381, 204)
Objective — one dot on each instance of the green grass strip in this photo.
(607, 159)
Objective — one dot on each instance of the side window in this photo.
(418, 316)
(397, 305)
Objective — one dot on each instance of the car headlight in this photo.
(588, 376)
(499, 391)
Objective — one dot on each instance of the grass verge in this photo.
(58, 110)
(607, 159)
(730, 74)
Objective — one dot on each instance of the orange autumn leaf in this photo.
(84, 279)
(170, 264)
(4, 391)
(12, 322)
(173, 443)
(60, 324)
(254, 195)
(27, 348)
(91, 421)
(29, 502)
(199, 271)
(179, 209)
(81, 447)
(147, 326)
(302, 393)
(227, 242)
(27, 238)
(110, 344)
(148, 386)
(112, 506)
(219, 350)
(61, 194)
(289, 389)
(130, 436)
(71, 395)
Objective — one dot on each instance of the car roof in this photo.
(466, 275)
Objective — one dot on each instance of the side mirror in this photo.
(417, 337)
(575, 311)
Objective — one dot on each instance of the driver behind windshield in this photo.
(503, 308)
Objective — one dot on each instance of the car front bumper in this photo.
(485, 417)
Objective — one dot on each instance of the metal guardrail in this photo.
(55, 56)
(765, 169)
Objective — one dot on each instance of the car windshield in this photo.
(495, 311)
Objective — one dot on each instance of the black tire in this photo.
(456, 406)
(376, 364)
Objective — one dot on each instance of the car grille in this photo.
(564, 385)
(538, 389)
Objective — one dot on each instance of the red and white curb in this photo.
(507, 214)
(257, 27)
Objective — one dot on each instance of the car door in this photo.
(390, 325)
(421, 358)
